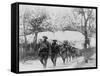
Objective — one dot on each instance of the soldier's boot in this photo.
(45, 63)
(54, 62)
(63, 60)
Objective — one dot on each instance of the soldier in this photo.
(65, 51)
(44, 51)
(65, 46)
(54, 52)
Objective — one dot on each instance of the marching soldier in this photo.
(54, 52)
(44, 51)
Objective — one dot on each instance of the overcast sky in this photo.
(49, 9)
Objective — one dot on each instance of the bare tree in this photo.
(36, 26)
(86, 16)
(35, 21)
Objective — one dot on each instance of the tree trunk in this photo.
(25, 47)
(25, 43)
(86, 35)
(86, 41)
(35, 41)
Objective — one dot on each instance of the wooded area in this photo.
(36, 20)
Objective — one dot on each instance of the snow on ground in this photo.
(36, 65)
(33, 65)
(91, 63)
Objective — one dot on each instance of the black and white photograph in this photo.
(56, 37)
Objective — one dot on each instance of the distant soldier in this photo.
(64, 50)
(66, 43)
(44, 51)
(67, 51)
(65, 46)
(54, 52)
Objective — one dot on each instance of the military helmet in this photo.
(54, 40)
(45, 37)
